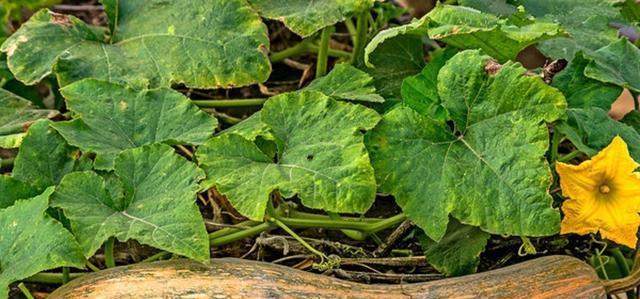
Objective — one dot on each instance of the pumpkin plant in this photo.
(435, 117)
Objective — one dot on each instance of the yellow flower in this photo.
(603, 195)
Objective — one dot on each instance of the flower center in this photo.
(604, 189)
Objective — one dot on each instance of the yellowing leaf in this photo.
(603, 195)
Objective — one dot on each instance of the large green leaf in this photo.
(114, 117)
(496, 7)
(155, 204)
(44, 157)
(617, 63)
(591, 130)
(490, 170)
(458, 253)
(582, 91)
(16, 112)
(467, 28)
(201, 43)
(12, 189)
(420, 91)
(346, 82)
(32, 242)
(320, 157)
(586, 21)
(305, 17)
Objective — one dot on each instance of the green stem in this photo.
(299, 49)
(360, 38)
(621, 261)
(65, 275)
(239, 235)
(386, 223)
(555, 143)
(92, 267)
(297, 238)
(25, 291)
(51, 278)
(352, 30)
(570, 156)
(353, 234)
(325, 37)
(229, 103)
(156, 257)
(108, 253)
(298, 214)
(367, 228)
(225, 231)
(332, 52)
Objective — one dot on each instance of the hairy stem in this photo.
(323, 52)
(108, 253)
(360, 39)
(229, 103)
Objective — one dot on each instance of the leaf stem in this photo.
(323, 52)
(25, 291)
(555, 143)
(6, 163)
(360, 39)
(229, 103)
(239, 235)
(353, 234)
(108, 253)
(570, 156)
(299, 49)
(65, 275)
(92, 267)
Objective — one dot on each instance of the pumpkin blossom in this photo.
(603, 195)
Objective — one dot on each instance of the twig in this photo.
(391, 240)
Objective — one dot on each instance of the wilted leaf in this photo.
(305, 17)
(489, 171)
(113, 117)
(320, 157)
(346, 82)
(458, 253)
(617, 63)
(155, 206)
(591, 130)
(32, 242)
(202, 43)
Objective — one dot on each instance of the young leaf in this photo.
(32, 242)
(582, 91)
(389, 69)
(321, 157)
(420, 91)
(155, 205)
(586, 21)
(617, 63)
(16, 112)
(488, 172)
(591, 130)
(458, 253)
(202, 43)
(113, 117)
(306, 17)
(346, 82)
(44, 157)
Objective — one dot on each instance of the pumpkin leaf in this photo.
(586, 21)
(487, 172)
(420, 91)
(17, 112)
(32, 242)
(458, 253)
(591, 130)
(320, 157)
(617, 63)
(155, 204)
(495, 7)
(389, 68)
(582, 91)
(110, 117)
(467, 28)
(307, 17)
(12, 189)
(44, 157)
(346, 82)
(151, 43)
(11, 141)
